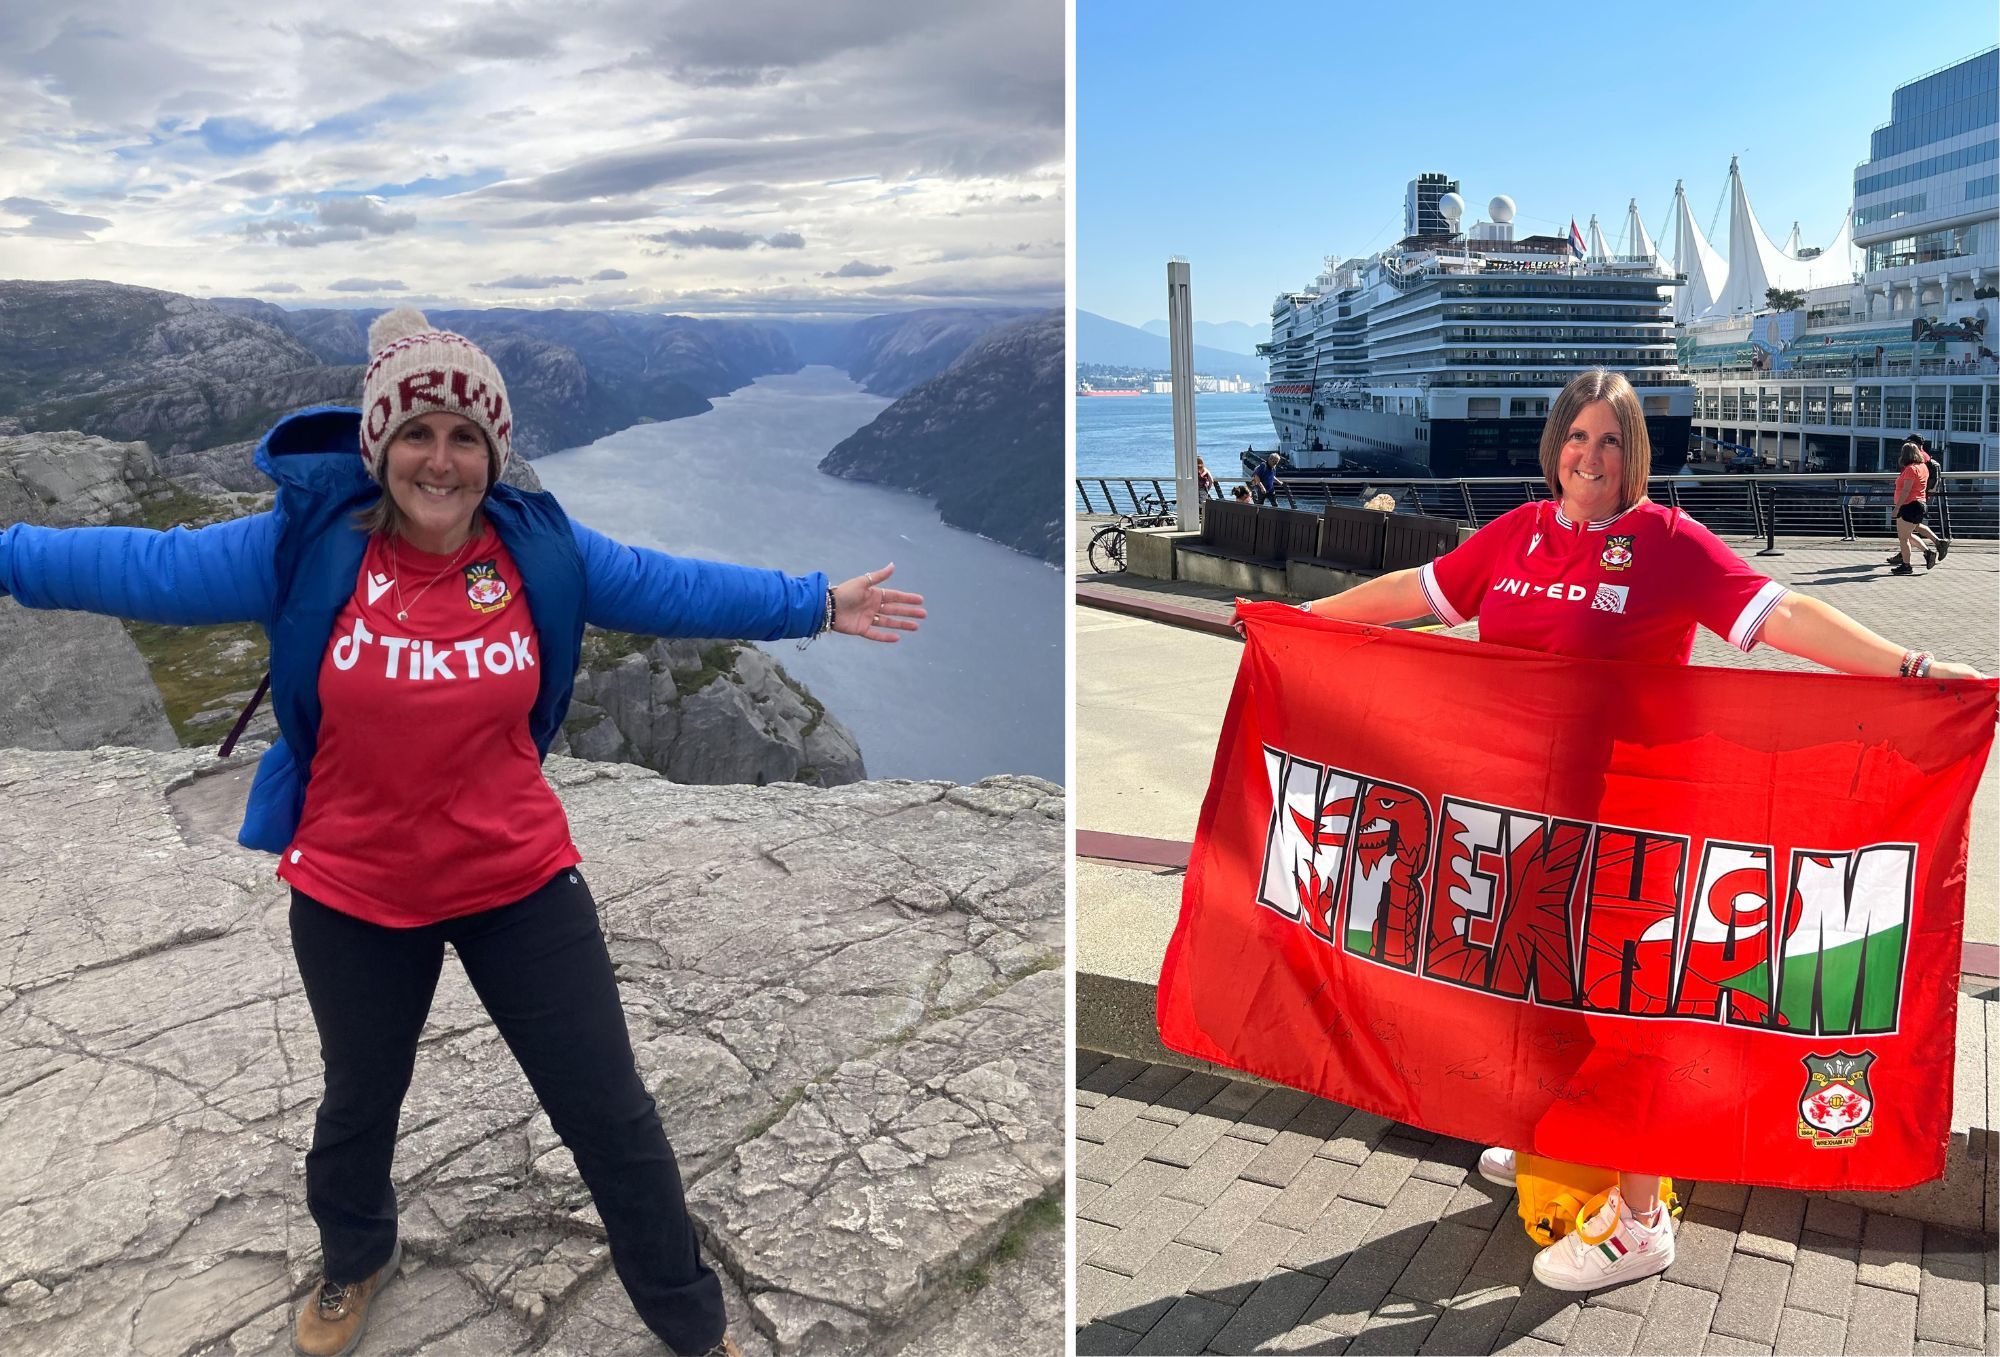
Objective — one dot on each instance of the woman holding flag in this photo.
(1605, 573)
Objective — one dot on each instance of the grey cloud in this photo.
(608, 276)
(854, 268)
(112, 73)
(786, 240)
(753, 42)
(368, 285)
(301, 235)
(744, 193)
(253, 181)
(370, 214)
(573, 213)
(708, 238)
(522, 282)
(813, 159)
(49, 221)
(340, 219)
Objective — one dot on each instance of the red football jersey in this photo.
(1629, 587)
(427, 798)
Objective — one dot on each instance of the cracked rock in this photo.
(847, 1003)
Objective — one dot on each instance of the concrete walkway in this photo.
(1227, 1216)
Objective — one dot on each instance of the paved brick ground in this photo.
(1225, 1216)
(1952, 611)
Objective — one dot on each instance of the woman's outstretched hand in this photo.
(862, 607)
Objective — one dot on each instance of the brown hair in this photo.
(1913, 454)
(1600, 384)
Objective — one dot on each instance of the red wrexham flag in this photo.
(1700, 922)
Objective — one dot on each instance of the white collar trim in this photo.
(1595, 525)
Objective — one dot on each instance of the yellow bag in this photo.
(1555, 1195)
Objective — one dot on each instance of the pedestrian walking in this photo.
(1912, 494)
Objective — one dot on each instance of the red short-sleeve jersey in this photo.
(427, 799)
(1630, 587)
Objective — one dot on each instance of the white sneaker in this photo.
(1496, 1166)
(1607, 1247)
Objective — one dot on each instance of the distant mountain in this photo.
(132, 363)
(1098, 340)
(984, 439)
(1230, 336)
(889, 354)
(185, 375)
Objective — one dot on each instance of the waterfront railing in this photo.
(1846, 507)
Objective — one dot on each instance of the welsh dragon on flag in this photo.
(1703, 922)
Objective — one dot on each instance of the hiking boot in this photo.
(333, 1317)
(1496, 1166)
(1900, 569)
(1608, 1246)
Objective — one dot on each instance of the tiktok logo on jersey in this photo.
(423, 662)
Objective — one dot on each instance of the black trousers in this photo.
(541, 969)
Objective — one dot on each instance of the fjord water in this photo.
(978, 691)
(1134, 435)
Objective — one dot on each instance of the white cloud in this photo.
(368, 285)
(485, 140)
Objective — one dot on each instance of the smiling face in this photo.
(1591, 468)
(436, 473)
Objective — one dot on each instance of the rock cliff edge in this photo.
(847, 1002)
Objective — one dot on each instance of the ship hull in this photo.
(1363, 442)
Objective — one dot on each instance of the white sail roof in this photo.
(1756, 265)
(1642, 249)
(1706, 271)
(1596, 251)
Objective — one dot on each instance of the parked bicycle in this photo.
(1107, 544)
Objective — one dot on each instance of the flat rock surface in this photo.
(848, 1004)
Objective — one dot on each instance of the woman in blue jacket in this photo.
(424, 616)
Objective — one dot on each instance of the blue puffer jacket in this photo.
(293, 569)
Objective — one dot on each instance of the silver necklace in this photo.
(402, 609)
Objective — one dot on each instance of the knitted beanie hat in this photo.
(417, 370)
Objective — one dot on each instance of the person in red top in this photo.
(425, 820)
(1912, 496)
(1603, 572)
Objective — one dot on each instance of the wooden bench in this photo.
(1415, 539)
(1244, 546)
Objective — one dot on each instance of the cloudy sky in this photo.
(700, 156)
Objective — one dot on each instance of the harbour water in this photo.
(1134, 435)
(978, 691)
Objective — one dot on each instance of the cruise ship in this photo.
(1440, 356)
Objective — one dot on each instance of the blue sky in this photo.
(1253, 139)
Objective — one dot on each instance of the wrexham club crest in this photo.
(484, 588)
(1837, 1107)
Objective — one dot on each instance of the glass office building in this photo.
(1925, 200)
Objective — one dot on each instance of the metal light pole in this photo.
(1180, 359)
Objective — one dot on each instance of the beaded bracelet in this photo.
(825, 623)
(1916, 664)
